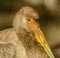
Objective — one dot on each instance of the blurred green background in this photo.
(49, 19)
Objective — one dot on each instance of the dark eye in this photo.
(28, 19)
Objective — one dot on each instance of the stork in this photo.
(25, 39)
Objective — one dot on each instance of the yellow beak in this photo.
(40, 37)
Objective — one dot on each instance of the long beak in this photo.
(40, 37)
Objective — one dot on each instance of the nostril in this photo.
(37, 20)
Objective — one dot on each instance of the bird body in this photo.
(11, 46)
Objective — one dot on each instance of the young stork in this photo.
(25, 39)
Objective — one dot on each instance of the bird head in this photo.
(26, 18)
(23, 16)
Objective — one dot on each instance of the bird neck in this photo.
(29, 43)
(26, 38)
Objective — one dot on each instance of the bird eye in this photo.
(28, 19)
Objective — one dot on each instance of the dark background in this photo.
(49, 19)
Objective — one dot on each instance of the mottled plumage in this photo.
(19, 42)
